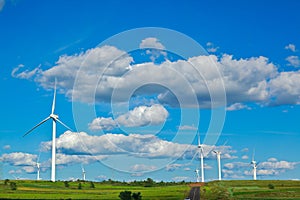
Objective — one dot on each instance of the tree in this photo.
(125, 195)
(6, 181)
(137, 196)
(13, 186)
(149, 182)
(66, 184)
(92, 185)
(79, 186)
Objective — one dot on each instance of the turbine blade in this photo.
(54, 98)
(199, 139)
(64, 124)
(253, 154)
(36, 126)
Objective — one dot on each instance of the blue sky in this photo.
(136, 96)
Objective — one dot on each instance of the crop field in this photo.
(30, 189)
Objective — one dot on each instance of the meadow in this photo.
(260, 189)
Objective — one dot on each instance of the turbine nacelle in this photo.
(54, 116)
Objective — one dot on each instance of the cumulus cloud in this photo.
(19, 159)
(245, 157)
(293, 61)
(102, 123)
(148, 146)
(290, 47)
(140, 116)
(95, 75)
(237, 106)
(285, 88)
(151, 42)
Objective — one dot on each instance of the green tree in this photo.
(137, 196)
(149, 182)
(13, 186)
(6, 181)
(125, 195)
(79, 186)
(92, 185)
(66, 184)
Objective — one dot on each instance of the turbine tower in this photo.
(83, 173)
(254, 165)
(55, 119)
(197, 175)
(218, 153)
(38, 171)
(200, 148)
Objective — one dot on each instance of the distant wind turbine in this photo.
(197, 175)
(55, 119)
(254, 165)
(38, 165)
(200, 148)
(83, 173)
(218, 153)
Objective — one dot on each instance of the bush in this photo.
(127, 195)
(79, 186)
(6, 181)
(92, 185)
(13, 186)
(215, 192)
(271, 186)
(66, 184)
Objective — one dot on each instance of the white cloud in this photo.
(24, 74)
(140, 116)
(102, 123)
(285, 88)
(278, 165)
(245, 150)
(293, 61)
(148, 146)
(142, 168)
(151, 42)
(29, 169)
(19, 159)
(187, 128)
(291, 47)
(245, 157)
(63, 159)
(2, 3)
(272, 160)
(237, 106)
(143, 116)
(210, 47)
(100, 71)
(235, 165)
(6, 147)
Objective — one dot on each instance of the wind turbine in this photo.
(83, 173)
(197, 175)
(55, 119)
(218, 153)
(38, 168)
(200, 148)
(254, 165)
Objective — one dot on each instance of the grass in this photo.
(30, 189)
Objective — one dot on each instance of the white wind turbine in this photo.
(55, 119)
(200, 148)
(38, 165)
(83, 173)
(218, 153)
(197, 175)
(254, 165)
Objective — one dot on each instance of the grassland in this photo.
(29, 189)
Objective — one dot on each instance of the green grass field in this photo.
(30, 189)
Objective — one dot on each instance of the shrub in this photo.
(66, 184)
(13, 186)
(92, 185)
(137, 196)
(79, 186)
(271, 186)
(6, 181)
(125, 195)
